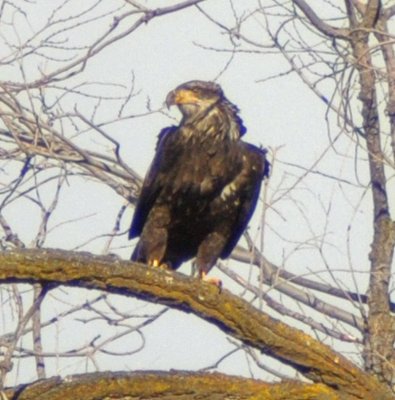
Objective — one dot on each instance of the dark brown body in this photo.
(200, 191)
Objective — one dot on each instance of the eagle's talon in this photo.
(213, 280)
(155, 264)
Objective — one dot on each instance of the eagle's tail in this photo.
(136, 255)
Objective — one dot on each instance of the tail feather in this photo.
(136, 253)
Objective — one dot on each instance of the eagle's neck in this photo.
(236, 126)
(219, 122)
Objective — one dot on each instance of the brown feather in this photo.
(202, 186)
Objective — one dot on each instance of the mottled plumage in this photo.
(202, 186)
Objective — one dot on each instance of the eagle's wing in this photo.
(154, 180)
(247, 185)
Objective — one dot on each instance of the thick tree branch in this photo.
(380, 330)
(166, 386)
(371, 13)
(230, 313)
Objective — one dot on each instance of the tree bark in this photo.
(166, 386)
(379, 337)
(230, 313)
(379, 332)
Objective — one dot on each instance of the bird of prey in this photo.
(202, 186)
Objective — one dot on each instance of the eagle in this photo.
(202, 186)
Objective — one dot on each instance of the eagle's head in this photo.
(194, 97)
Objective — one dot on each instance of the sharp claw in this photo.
(213, 280)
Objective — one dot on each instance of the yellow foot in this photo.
(213, 280)
(155, 263)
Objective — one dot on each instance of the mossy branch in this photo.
(166, 386)
(233, 315)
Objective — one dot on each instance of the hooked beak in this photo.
(171, 99)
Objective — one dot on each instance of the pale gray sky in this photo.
(281, 114)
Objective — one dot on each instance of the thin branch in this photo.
(78, 65)
(282, 280)
(318, 23)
